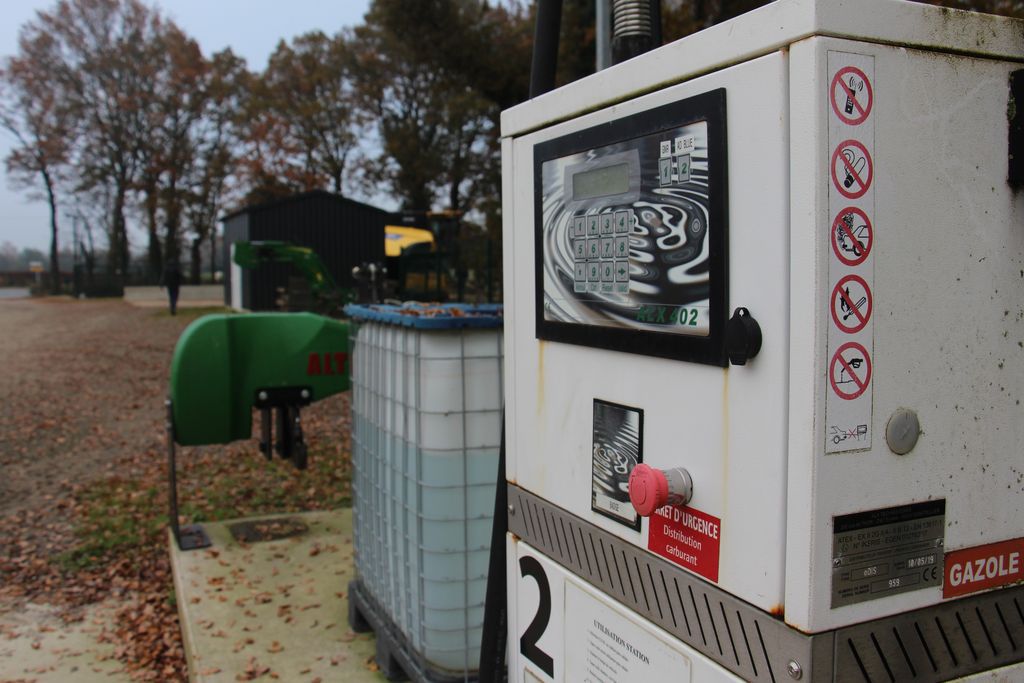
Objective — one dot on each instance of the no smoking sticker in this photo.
(852, 236)
(851, 304)
(851, 95)
(849, 372)
(851, 169)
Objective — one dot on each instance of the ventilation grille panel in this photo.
(740, 637)
(936, 643)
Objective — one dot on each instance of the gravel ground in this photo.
(79, 382)
(82, 472)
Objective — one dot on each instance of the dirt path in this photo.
(80, 381)
(81, 385)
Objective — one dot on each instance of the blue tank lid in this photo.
(429, 316)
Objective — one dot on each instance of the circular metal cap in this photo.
(648, 489)
(902, 431)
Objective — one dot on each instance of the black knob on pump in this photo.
(742, 337)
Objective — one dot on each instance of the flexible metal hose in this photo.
(631, 18)
(636, 28)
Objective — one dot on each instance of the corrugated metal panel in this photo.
(344, 233)
(236, 227)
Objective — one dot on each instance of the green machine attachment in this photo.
(226, 365)
(329, 297)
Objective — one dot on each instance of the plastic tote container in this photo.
(427, 398)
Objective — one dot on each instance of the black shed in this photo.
(343, 232)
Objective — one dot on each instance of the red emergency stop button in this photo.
(650, 488)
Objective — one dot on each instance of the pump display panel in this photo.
(631, 232)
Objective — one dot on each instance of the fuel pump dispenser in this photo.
(764, 349)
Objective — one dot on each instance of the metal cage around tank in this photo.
(427, 400)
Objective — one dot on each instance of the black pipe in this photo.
(495, 627)
(545, 46)
(655, 23)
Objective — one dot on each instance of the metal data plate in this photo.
(879, 553)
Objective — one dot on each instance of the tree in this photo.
(309, 90)
(267, 161)
(402, 93)
(167, 154)
(215, 147)
(8, 257)
(178, 106)
(434, 123)
(103, 71)
(41, 125)
(483, 51)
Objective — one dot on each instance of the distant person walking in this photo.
(171, 279)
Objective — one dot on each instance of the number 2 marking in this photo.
(529, 566)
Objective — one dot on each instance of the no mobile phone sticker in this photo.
(851, 95)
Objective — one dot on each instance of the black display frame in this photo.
(709, 107)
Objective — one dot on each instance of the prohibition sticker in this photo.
(852, 236)
(851, 304)
(851, 169)
(849, 371)
(851, 95)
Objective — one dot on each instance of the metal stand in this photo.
(193, 536)
(283, 406)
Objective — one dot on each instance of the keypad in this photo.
(600, 243)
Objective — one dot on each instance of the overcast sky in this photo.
(252, 28)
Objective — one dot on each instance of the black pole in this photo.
(495, 628)
(193, 536)
(655, 24)
(172, 475)
(545, 46)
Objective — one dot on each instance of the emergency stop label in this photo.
(878, 553)
(982, 567)
(849, 232)
(687, 537)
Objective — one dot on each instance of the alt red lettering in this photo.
(331, 364)
(313, 367)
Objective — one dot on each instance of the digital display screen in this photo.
(601, 182)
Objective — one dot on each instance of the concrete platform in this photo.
(274, 608)
(37, 645)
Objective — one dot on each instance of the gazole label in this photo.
(985, 566)
(849, 234)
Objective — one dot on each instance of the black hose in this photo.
(545, 46)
